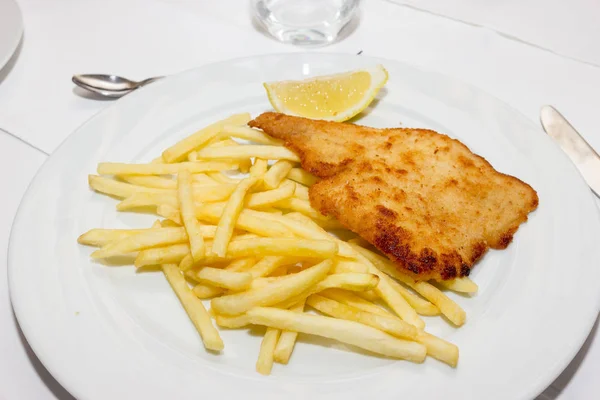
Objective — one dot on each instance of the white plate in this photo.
(111, 333)
(11, 29)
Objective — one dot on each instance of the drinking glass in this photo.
(305, 22)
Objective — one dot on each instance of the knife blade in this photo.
(585, 158)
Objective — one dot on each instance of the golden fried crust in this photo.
(423, 199)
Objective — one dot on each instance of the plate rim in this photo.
(539, 387)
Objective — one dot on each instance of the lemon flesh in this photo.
(334, 98)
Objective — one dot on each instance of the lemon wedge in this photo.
(336, 97)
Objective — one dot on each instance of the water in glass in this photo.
(305, 22)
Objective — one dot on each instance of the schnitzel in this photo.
(421, 198)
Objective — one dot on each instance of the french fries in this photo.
(355, 301)
(243, 152)
(247, 133)
(267, 349)
(143, 240)
(229, 216)
(273, 293)
(259, 167)
(301, 176)
(179, 151)
(101, 237)
(162, 255)
(348, 281)
(194, 308)
(223, 278)
(287, 339)
(270, 197)
(108, 168)
(150, 181)
(116, 188)
(277, 173)
(350, 332)
(301, 191)
(186, 204)
(393, 326)
(255, 248)
(449, 308)
(461, 285)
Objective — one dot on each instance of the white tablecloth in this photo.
(139, 38)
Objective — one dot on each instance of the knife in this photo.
(571, 142)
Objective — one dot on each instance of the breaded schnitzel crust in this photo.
(423, 199)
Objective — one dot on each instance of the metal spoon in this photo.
(109, 85)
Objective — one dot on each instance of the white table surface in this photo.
(39, 107)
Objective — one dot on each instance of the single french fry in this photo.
(439, 348)
(301, 206)
(355, 301)
(350, 332)
(142, 199)
(301, 176)
(206, 291)
(311, 228)
(150, 181)
(303, 227)
(267, 265)
(203, 179)
(230, 214)
(232, 321)
(101, 237)
(421, 306)
(108, 168)
(248, 220)
(393, 326)
(277, 173)
(270, 197)
(369, 295)
(186, 204)
(241, 264)
(301, 191)
(151, 238)
(264, 364)
(179, 151)
(259, 168)
(247, 133)
(193, 307)
(342, 265)
(118, 189)
(281, 271)
(167, 223)
(243, 152)
(222, 178)
(223, 278)
(461, 285)
(348, 281)
(394, 300)
(245, 164)
(268, 246)
(287, 339)
(273, 293)
(216, 192)
(447, 307)
(162, 255)
(170, 213)
(282, 246)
